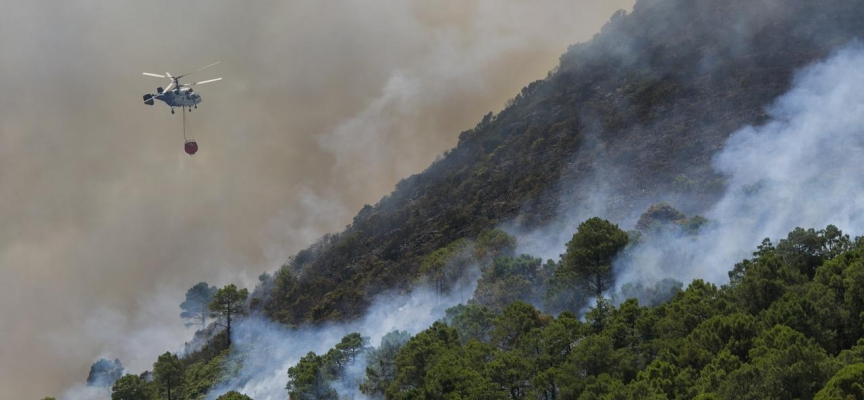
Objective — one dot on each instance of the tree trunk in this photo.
(228, 331)
(599, 286)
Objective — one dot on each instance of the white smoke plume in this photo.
(800, 169)
(549, 242)
(80, 391)
(266, 350)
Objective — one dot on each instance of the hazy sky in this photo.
(323, 107)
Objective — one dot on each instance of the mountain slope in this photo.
(640, 109)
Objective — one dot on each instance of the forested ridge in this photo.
(654, 94)
(642, 107)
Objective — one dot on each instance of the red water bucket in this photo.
(191, 148)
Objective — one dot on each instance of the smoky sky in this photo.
(324, 106)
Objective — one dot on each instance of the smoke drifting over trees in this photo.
(795, 170)
(107, 222)
(104, 372)
(102, 206)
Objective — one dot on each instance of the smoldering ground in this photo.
(106, 222)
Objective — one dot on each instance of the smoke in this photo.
(266, 350)
(323, 107)
(80, 391)
(104, 372)
(800, 169)
(595, 194)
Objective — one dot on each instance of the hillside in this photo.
(637, 112)
(747, 111)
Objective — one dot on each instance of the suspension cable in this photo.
(187, 131)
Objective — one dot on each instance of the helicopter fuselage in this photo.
(182, 97)
(177, 94)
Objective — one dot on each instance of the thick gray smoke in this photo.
(324, 106)
(800, 169)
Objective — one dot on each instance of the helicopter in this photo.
(177, 94)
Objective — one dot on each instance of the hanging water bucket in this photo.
(191, 147)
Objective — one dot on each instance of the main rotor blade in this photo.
(167, 88)
(156, 75)
(217, 62)
(169, 75)
(198, 83)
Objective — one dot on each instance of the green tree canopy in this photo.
(760, 281)
(131, 387)
(452, 376)
(804, 250)
(659, 215)
(785, 365)
(232, 395)
(381, 363)
(227, 303)
(308, 379)
(847, 383)
(344, 353)
(509, 279)
(494, 243)
(472, 321)
(196, 307)
(734, 333)
(651, 296)
(587, 264)
(201, 373)
(446, 265)
(168, 373)
(518, 319)
(419, 354)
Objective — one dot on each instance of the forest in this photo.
(655, 94)
(790, 324)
